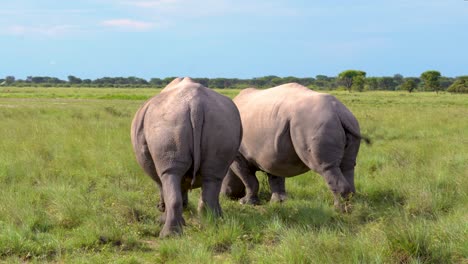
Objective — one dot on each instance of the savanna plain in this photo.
(72, 192)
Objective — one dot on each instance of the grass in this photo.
(71, 191)
(88, 93)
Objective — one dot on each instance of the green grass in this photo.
(88, 93)
(71, 191)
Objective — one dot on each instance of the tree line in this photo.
(351, 80)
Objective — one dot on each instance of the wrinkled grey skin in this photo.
(289, 130)
(186, 137)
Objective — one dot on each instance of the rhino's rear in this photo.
(184, 136)
(186, 127)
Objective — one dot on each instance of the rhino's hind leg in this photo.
(247, 176)
(209, 200)
(185, 199)
(232, 186)
(162, 205)
(277, 187)
(174, 204)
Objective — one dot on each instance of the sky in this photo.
(231, 38)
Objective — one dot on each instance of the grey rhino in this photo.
(288, 130)
(186, 137)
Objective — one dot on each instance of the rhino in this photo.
(289, 130)
(186, 137)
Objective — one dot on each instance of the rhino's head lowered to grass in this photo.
(289, 130)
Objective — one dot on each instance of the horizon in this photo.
(18, 78)
(232, 39)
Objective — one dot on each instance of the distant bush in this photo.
(459, 86)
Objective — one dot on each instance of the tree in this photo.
(222, 83)
(74, 80)
(459, 86)
(431, 80)
(258, 82)
(322, 81)
(277, 81)
(321, 77)
(202, 81)
(445, 82)
(387, 83)
(37, 79)
(398, 80)
(347, 77)
(358, 83)
(290, 79)
(156, 82)
(372, 83)
(132, 80)
(167, 80)
(9, 80)
(409, 85)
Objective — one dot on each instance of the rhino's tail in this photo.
(350, 123)
(196, 119)
(366, 139)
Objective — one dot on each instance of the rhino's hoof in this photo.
(345, 208)
(169, 232)
(278, 198)
(249, 200)
(172, 229)
(348, 208)
(162, 220)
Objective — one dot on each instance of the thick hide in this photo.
(186, 137)
(288, 130)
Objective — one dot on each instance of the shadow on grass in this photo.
(289, 214)
(301, 215)
(380, 199)
(366, 207)
(263, 223)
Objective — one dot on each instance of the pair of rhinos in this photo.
(189, 136)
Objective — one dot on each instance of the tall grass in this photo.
(71, 191)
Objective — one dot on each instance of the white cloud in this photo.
(180, 8)
(51, 30)
(202, 8)
(28, 12)
(153, 4)
(129, 24)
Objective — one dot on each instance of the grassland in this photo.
(71, 191)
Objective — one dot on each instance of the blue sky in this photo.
(231, 38)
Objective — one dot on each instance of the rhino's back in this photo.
(281, 101)
(172, 105)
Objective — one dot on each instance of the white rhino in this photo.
(186, 137)
(288, 130)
